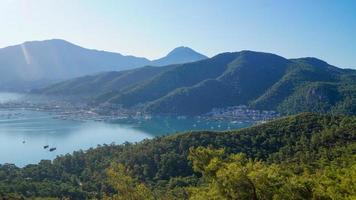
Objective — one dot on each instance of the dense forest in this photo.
(307, 156)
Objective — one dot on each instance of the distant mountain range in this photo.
(260, 80)
(35, 63)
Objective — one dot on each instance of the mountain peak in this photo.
(51, 41)
(183, 50)
(179, 55)
(315, 61)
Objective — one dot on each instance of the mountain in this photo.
(260, 80)
(311, 156)
(29, 64)
(244, 76)
(57, 60)
(179, 55)
(104, 83)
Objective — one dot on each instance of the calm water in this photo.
(23, 133)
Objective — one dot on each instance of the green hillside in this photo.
(267, 83)
(312, 155)
(184, 75)
(260, 80)
(103, 83)
(246, 77)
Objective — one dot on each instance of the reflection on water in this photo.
(24, 133)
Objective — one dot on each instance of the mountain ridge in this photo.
(57, 59)
(260, 80)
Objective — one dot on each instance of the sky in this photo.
(325, 29)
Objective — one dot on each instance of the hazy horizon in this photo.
(165, 54)
(322, 29)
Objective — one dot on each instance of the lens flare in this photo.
(26, 54)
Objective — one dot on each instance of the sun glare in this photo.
(26, 54)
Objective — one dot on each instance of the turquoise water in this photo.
(24, 133)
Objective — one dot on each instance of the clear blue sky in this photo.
(292, 28)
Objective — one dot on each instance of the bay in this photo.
(25, 133)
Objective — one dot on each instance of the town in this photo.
(69, 110)
(242, 113)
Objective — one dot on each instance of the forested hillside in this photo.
(259, 80)
(306, 156)
(105, 83)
